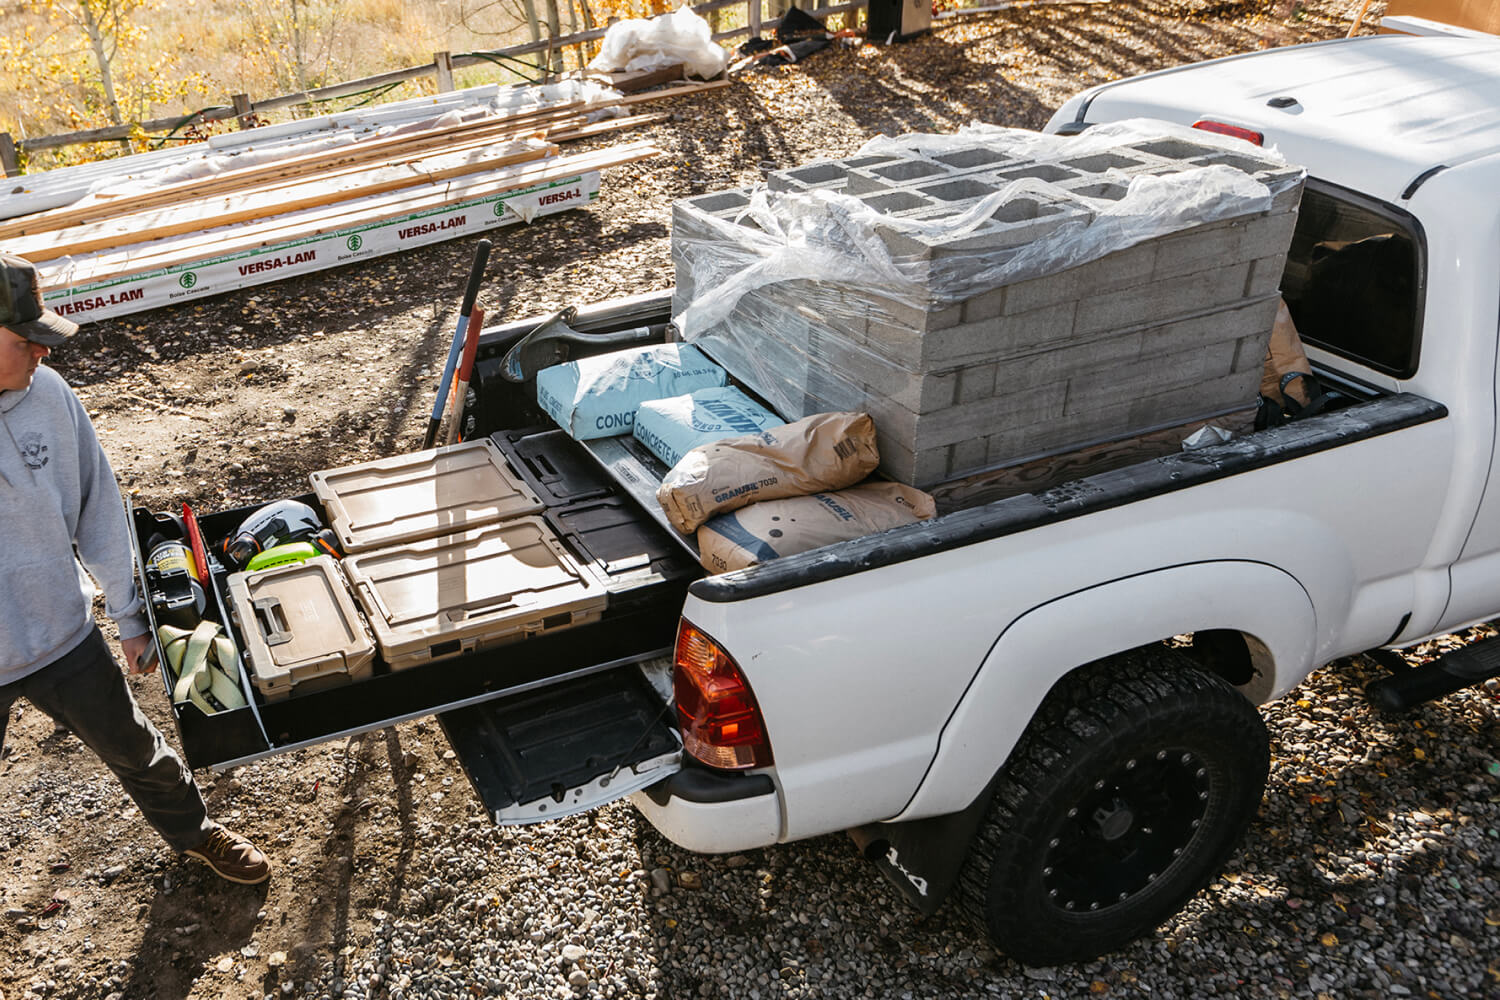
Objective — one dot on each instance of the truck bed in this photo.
(601, 496)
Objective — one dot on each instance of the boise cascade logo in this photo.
(188, 279)
(499, 209)
(354, 242)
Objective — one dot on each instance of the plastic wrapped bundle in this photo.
(996, 294)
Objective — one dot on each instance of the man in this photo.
(57, 495)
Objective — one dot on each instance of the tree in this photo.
(84, 63)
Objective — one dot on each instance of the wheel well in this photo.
(1237, 657)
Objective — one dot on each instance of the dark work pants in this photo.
(85, 691)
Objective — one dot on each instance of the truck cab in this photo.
(1392, 275)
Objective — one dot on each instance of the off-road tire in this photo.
(1126, 762)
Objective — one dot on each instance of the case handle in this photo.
(272, 620)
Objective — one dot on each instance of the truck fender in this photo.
(1041, 646)
(922, 849)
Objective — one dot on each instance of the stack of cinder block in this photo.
(1165, 331)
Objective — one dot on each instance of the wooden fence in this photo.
(441, 69)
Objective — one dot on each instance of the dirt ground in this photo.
(236, 399)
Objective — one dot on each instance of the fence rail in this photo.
(441, 69)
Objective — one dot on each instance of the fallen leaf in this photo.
(1329, 940)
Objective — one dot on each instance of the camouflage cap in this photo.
(21, 308)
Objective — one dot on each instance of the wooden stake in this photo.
(1359, 18)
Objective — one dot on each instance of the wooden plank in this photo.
(630, 83)
(223, 210)
(9, 162)
(680, 90)
(1054, 470)
(242, 110)
(139, 258)
(609, 125)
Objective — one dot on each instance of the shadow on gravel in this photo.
(400, 775)
(200, 917)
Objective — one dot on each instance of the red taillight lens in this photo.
(1249, 135)
(720, 721)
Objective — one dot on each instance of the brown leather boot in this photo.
(233, 857)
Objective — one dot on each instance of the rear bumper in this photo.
(712, 812)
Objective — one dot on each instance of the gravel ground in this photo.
(1371, 871)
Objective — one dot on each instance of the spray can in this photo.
(172, 585)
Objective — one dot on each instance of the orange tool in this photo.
(195, 542)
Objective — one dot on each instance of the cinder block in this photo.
(1014, 224)
(1250, 354)
(1155, 300)
(1218, 244)
(887, 311)
(1121, 269)
(976, 382)
(1023, 405)
(893, 173)
(975, 158)
(1112, 354)
(999, 337)
(833, 174)
(1191, 402)
(1171, 373)
(1098, 163)
(901, 464)
(1265, 275)
(1240, 320)
(1052, 173)
(898, 201)
(968, 456)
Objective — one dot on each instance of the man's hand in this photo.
(135, 652)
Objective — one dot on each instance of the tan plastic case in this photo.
(440, 597)
(421, 494)
(301, 629)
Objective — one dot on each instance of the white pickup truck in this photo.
(1043, 704)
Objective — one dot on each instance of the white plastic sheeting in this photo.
(679, 37)
(843, 241)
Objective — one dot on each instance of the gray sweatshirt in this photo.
(57, 491)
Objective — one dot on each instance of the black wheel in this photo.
(1123, 798)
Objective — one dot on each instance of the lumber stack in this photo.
(213, 224)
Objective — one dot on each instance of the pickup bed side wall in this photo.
(859, 673)
(1049, 641)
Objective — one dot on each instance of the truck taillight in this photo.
(716, 710)
(1221, 128)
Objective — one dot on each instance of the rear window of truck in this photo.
(1354, 279)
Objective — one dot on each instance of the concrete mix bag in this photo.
(765, 531)
(598, 397)
(671, 428)
(1283, 357)
(826, 451)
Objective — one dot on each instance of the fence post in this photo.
(8, 159)
(242, 110)
(443, 61)
(754, 18)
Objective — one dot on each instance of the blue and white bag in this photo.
(671, 428)
(597, 397)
